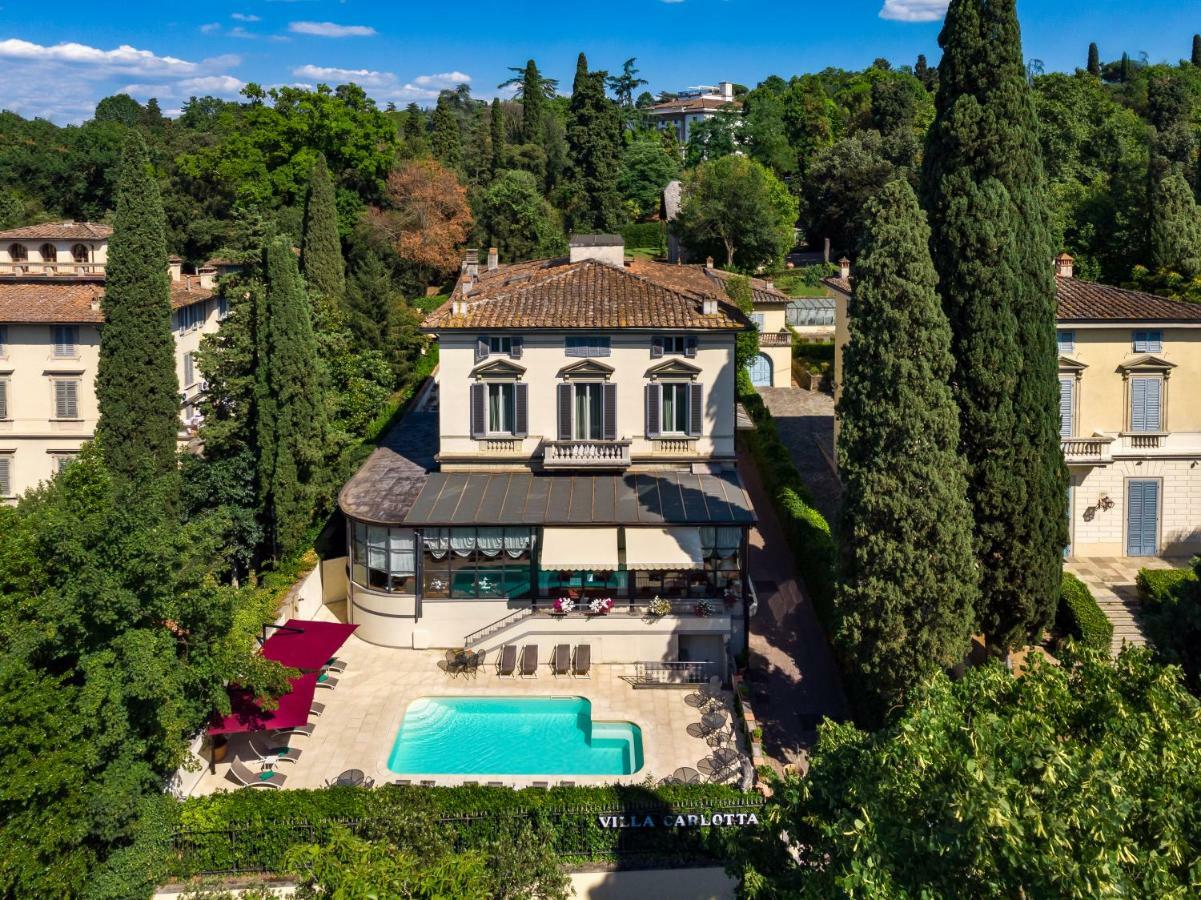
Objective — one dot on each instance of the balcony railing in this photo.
(672, 674)
(775, 339)
(586, 454)
(1084, 450)
(28, 269)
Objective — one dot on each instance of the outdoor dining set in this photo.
(725, 763)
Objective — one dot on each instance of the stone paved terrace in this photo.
(1112, 580)
(363, 713)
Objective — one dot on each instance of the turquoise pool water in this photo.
(512, 736)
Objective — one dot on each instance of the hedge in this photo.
(252, 831)
(806, 530)
(1171, 600)
(1158, 586)
(643, 236)
(1079, 616)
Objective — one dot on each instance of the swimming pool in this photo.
(512, 736)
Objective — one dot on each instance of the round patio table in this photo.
(351, 778)
(726, 756)
(713, 721)
(686, 775)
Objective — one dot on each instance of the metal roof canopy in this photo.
(632, 499)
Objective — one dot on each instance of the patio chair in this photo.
(508, 661)
(305, 730)
(561, 662)
(496, 784)
(540, 785)
(266, 778)
(474, 661)
(269, 754)
(428, 782)
(712, 690)
(566, 784)
(529, 661)
(583, 661)
(317, 708)
(336, 665)
(329, 682)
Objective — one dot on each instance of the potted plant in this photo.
(704, 608)
(563, 606)
(600, 606)
(659, 606)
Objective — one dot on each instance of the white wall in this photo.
(1102, 532)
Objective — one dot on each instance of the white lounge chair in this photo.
(327, 681)
(269, 754)
(266, 778)
(305, 730)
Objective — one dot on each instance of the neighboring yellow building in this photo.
(1130, 383)
(51, 283)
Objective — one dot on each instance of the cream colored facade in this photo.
(57, 256)
(775, 341)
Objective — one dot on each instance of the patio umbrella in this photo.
(247, 715)
(306, 644)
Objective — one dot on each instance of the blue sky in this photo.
(58, 65)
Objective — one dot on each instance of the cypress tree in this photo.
(497, 128)
(136, 385)
(1094, 60)
(1196, 57)
(289, 402)
(1124, 69)
(533, 104)
(1175, 233)
(594, 151)
(985, 193)
(905, 598)
(921, 70)
(445, 140)
(321, 249)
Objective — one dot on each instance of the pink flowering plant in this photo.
(600, 606)
(564, 605)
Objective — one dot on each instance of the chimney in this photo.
(708, 262)
(471, 263)
(606, 248)
(175, 268)
(844, 268)
(1064, 265)
(493, 259)
(208, 277)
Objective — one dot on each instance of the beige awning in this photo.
(579, 548)
(664, 548)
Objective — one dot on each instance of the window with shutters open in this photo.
(189, 370)
(673, 345)
(66, 399)
(66, 340)
(1146, 407)
(6, 475)
(674, 409)
(1067, 405)
(499, 408)
(1150, 341)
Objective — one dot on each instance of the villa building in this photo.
(51, 284)
(576, 465)
(691, 107)
(1130, 421)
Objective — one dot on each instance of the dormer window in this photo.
(498, 343)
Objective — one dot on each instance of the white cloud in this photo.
(210, 27)
(333, 75)
(442, 79)
(123, 59)
(385, 85)
(245, 17)
(239, 32)
(205, 85)
(914, 10)
(330, 29)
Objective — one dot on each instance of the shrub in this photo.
(1172, 617)
(643, 236)
(1079, 616)
(1156, 586)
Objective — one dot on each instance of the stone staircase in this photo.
(1112, 582)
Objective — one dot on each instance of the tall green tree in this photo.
(136, 385)
(1094, 60)
(445, 140)
(646, 168)
(1195, 59)
(512, 215)
(906, 592)
(594, 150)
(1124, 69)
(625, 84)
(534, 91)
(290, 402)
(321, 248)
(985, 194)
(1175, 232)
(496, 127)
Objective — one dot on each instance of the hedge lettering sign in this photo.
(679, 820)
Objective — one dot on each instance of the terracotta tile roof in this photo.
(703, 280)
(589, 294)
(72, 301)
(62, 231)
(1088, 301)
(691, 104)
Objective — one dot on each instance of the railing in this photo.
(1086, 450)
(59, 269)
(477, 637)
(775, 339)
(670, 674)
(501, 445)
(675, 446)
(587, 454)
(1145, 441)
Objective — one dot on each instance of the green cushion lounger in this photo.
(273, 754)
(242, 773)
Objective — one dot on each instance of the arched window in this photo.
(18, 253)
(49, 253)
(80, 253)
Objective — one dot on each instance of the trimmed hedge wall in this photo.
(644, 236)
(1079, 616)
(1157, 586)
(251, 831)
(1171, 600)
(806, 530)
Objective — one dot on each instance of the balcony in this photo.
(586, 454)
(1083, 451)
(775, 339)
(26, 269)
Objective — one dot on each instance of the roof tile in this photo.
(72, 301)
(61, 231)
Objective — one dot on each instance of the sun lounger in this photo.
(583, 661)
(471, 784)
(336, 665)
(508, 661)
(269, 754)
(242, 773)
(529, 661)
(540, 785)
(561, 663)
(305, 730)
(429, 782)
(566, 784)
(325, 680)
(317, 708)
(496, 784)
(402, 782)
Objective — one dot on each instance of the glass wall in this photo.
(487, 562)
(383, 559)
(583, 585)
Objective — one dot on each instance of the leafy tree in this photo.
(712, 138)
(290, 402)
(1094, 60)
(378, 316)
(746, 343)
(1175, 227)
(512, 216)
(136, 386)
(321, 250)
(1125, 69)
(533, 90)
(626, 83)
(594, 150)
(906, 594)
(426, 219)
(1075, 780)
(737, 207)
(497, 132)
(840, 182)
(120, 108)
(646, 168)
(445, 139)
(985, 194)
